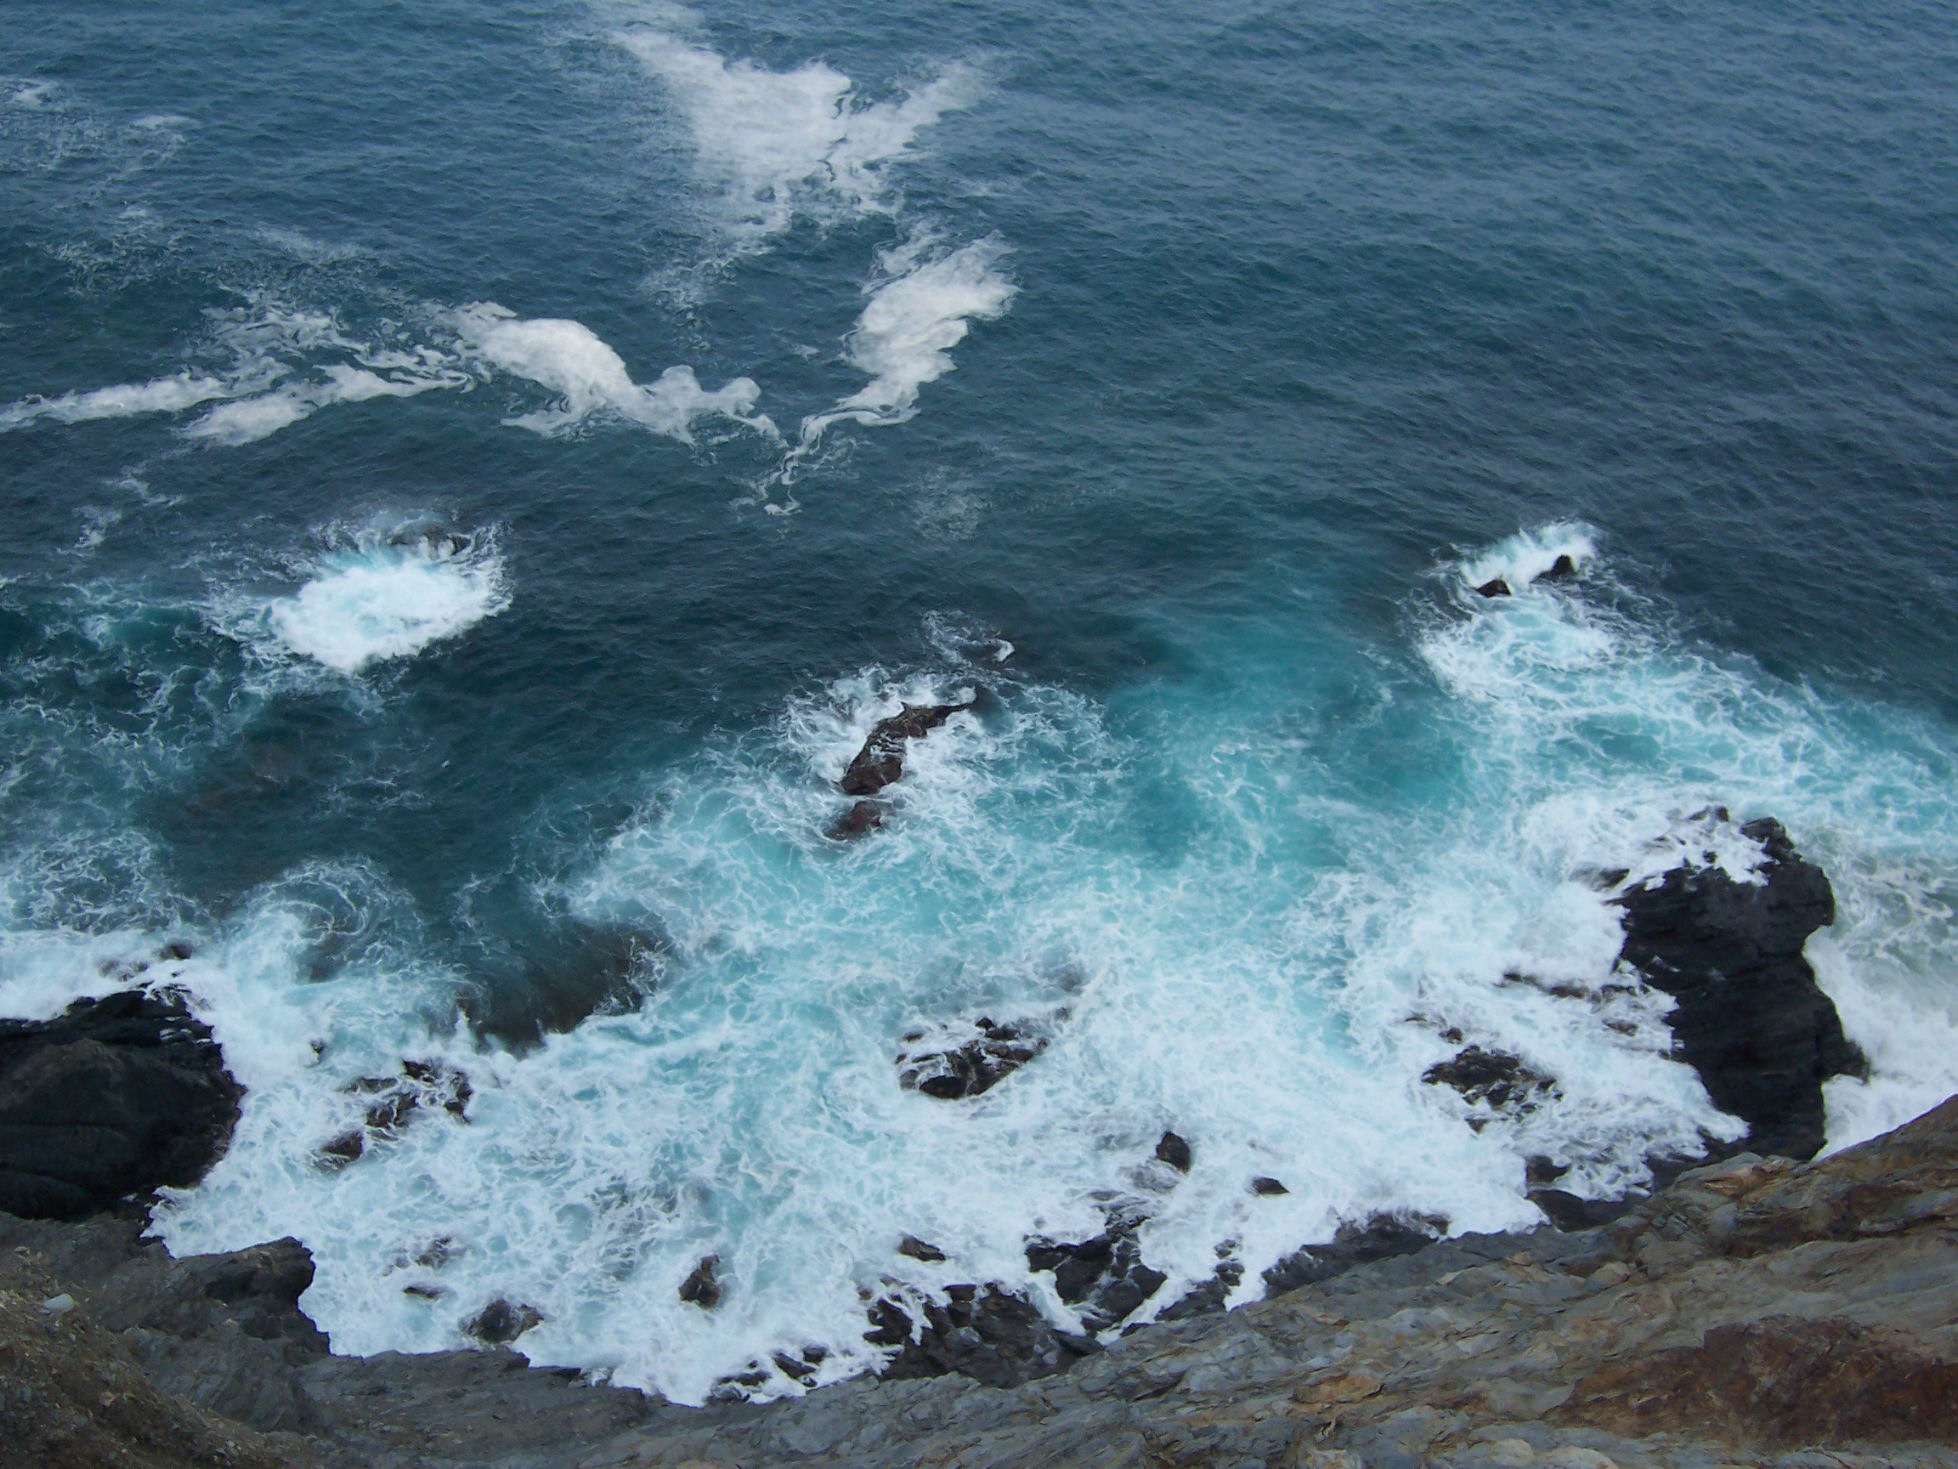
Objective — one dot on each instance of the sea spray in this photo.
(390, 594)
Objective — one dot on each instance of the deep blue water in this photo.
(411, 655)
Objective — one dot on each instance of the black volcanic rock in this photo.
(983, 1333)
(1562, 569)
(950, 1068)
(861, 819)
(502, 1321)
(1495, 587)
(115, 1097)
(881, 760)
(701, 1288)
(1750, 1017)
(1103, 1277)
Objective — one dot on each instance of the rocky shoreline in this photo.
(221, 1349)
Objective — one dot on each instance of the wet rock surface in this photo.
(957, 1061)
(701, 1288)
(1104, 1277)
(881, 760)
(502, 1321)
(1498, 1078)
(118, 1096)
(981, 1333)
(420, 1088)
(1380, 1237)
(1750, 1017)
(860, 819)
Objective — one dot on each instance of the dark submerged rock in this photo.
(1496, 1077)
(917, 1249)
(1268, 1187)
(1562, 569)
(881, 760)
(502, 1321)
(563, 978)
(1103, 1277)
(1494, 587)
(1750, 1017)
(701, 1288)
(346, 1148)
(967, 1068)
(861, 819)
(115, 1097)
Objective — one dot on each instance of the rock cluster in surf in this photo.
(419, 1087)
(1748, 1314)
(139, 1075)
(953, 1061)
(1750, 1019)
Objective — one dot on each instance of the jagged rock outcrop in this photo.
(980, 1333)
(881, 760)
(1750, 1017)
(961, 1060)
(419, 1088)
(117, 1096)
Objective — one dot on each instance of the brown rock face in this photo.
(1780, 1380)
(881, 760)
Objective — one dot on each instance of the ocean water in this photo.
(473, 478)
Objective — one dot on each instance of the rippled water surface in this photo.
(473, 479)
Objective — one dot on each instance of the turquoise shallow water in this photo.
(472, 482)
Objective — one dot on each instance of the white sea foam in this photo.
(1202, 893)
(284, 366)
(1522, 558)
(921, 307)
(776, 143)
(390, 595)
(287, 365)
(246, 420)
(570, 360)
(172, 394)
